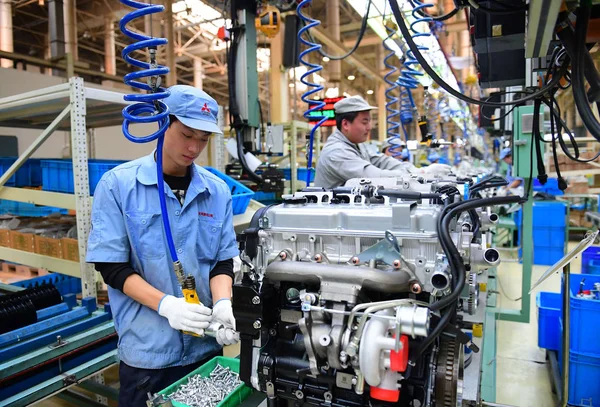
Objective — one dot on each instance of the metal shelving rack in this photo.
(76, 108)
(70, 107)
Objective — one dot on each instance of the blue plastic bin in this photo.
(57, 175)
(301, 174)
(26, 176)
(28, 209)
(590, 258)
(585, 318)
(63, 283)
(551, 187)
(549, 313)
(549, 236)
(547, 256)
(584, 380)
(240, 194)
(549, 214)
(593, 267)
(266, 198)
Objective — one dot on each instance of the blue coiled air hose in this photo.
(148, 107)
(393, 139)
(408, 79)
(311, 69)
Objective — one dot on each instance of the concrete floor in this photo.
(522, 377)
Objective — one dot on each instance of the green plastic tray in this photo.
(233, 399)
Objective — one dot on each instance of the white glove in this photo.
(184, 316)
(222, 313)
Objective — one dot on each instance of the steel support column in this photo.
(110, 60)
(6, 31)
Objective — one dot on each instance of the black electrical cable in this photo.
(446, 240)
(578, 72)
(437, 79)
(562, 125)
(476, 224)
(457, 266)
(444, 17)
(530, 179)
(237, 124)
(240, 150)
(495, 119)
(361, 34)
(562, 183)
(262, 121)
(536, 137)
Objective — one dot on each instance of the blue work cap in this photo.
(194, 108)
(433, 157)
(506, 152)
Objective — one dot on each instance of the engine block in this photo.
(336, 292)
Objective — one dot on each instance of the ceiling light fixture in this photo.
(351, 77)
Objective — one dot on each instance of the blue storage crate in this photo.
(585, 318)
(547, 256)
(549, 313)
(57, 175)
(300, 174)
(26, 176)
(590, 256)
(28, 209)
(266, 198)
(549, 214)
(63, 283)
(549, 236)
(593, 267)
(240, 194)
(551, 187)
(584, 377)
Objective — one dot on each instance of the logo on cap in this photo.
(205, 108)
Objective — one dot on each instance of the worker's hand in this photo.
(223, 314)
(185, 316)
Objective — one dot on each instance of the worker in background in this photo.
(344, 156)
(128, 247)
(405, 155)
(433, 157)
(506, 156)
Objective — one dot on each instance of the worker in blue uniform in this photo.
(128, 247)
(433, 157)
(506, 156)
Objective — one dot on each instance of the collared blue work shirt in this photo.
(127, 227)
(509, 176)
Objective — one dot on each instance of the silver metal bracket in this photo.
(386, 250)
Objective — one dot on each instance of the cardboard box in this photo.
(4, 237)
(70, 249)
(562, 159)
(48, 246)
(22, 241)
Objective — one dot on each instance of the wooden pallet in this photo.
(24, 271)
(9, 278)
